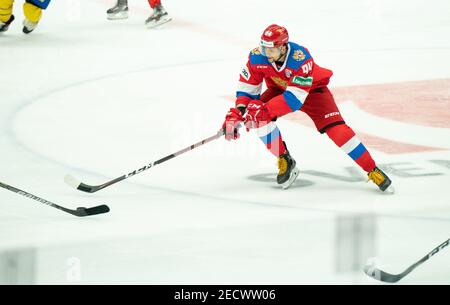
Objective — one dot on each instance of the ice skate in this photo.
(287, 170)
(119, 11)
(4, 26)
(29, 26)
(381, 180)
(158, 17)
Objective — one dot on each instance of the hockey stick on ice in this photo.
(380, 275)
(70, 180)
(80, 212)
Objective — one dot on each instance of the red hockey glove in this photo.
(231, 124)
(257, 115)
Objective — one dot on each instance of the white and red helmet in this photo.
(274, 36)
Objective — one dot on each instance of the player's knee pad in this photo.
(6, 7)
(32, 12)
(340, 134)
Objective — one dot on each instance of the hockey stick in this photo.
(380, 275)
(80, 212)
(75, 183)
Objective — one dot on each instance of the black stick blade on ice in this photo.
(80, 212)
(100, 209)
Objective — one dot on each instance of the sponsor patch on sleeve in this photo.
(245, 73)
(302, 81)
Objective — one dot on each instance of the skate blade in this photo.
(118, 16)
(160, 22)
(292, 178)
(4, 26)
(390, 190)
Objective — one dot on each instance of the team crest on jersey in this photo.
(288, 73)
(299, 55)
(256, 51)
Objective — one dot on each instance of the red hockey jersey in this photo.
(298, 75)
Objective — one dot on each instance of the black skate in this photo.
(381, 180)
(158, 17)
(119, 11)
(28, 26)
(287, 170)
(5, 26)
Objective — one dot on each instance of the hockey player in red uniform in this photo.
(294, 82)
(158, 17)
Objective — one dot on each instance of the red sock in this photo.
(154, 3)
(344, 137)
(271, 137)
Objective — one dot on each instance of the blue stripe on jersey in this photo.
(241, 93)
(40, 3)
(269, 138)
(357, 152)
(295, 64)
(258, 59)
(293, 102)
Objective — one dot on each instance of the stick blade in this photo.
(72, 181)
(380, 275)
(101, 209)
(77, 184)
(390, 190)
